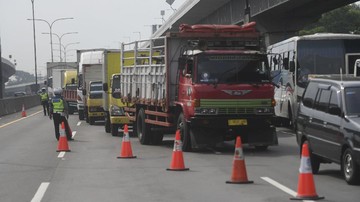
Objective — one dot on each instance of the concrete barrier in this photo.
(13, 105)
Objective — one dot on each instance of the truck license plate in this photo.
(237, 122)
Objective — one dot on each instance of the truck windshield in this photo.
(352, 100)
(232, 68)
(96, 87)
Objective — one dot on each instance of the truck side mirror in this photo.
(84, 92)
(292, 66)
(105, 87)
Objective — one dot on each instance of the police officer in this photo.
(59, 113)
(44, 96)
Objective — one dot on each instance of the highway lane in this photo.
(92, 172)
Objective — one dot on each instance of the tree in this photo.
(342, 20)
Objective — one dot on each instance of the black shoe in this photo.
(70, 139)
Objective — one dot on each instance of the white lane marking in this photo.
(78, 124)
(6, 124)
(279, 186)
(73, 134)
(40, 192)
(61, 154)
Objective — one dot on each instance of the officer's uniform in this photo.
(58, 109)
(45, 102)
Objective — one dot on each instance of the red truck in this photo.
(210, 81)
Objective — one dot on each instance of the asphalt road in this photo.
(32, 170)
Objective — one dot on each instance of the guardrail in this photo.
(14, 104)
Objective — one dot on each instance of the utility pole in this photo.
(33, 14)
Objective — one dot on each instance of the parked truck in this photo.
(66, 80)
(114, 115)
(90, 69)
(94, 102)
(212, 82)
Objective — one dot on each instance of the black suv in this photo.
(329, 121)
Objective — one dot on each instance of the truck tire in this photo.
(91, 121)
(114, 130)
(184, 128)
(81, 114)
(157, 138)
(143, 129)
(107, 123)
(86, 115)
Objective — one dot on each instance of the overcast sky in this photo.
(99, 23)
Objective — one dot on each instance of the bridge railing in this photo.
(14, 104)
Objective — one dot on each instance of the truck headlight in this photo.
(264, 110)
(205, 111)
(116, 111)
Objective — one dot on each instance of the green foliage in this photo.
(342, 20)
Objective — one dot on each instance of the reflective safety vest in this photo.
(44, 96)
(58, 105)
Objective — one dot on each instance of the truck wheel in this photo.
(183, 126)
(143, 129)
(81, 114)
(157, 138)
(91, 121)
(350, 168)
(114, 130)
(107, 123)
(261, 148)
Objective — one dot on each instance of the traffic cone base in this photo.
(126, 151)
(23, 112)
(242, 182)
(239, 175)
(63, 143)
(306, 185)
(177, 160)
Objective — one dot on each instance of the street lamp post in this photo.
(65, 47)
(33, 15)
(50, 26)
(60, 37)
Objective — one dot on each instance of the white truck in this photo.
(65, 79)
(90, 69)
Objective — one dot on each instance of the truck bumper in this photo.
(99, 115)
(254, 131)
(119, 120)
(80, 106)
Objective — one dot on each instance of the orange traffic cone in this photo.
(23, 112)
(63, 143)
(306, 185)
(177, 162)
(126, 151)
(239, 175)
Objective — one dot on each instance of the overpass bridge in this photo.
(7, 69)
(276, 19)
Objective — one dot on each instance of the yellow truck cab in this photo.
(94, 102)
(115, 118)
(113, 107)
